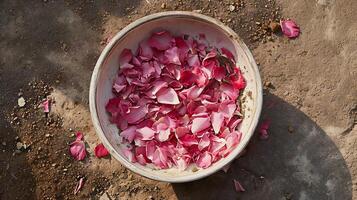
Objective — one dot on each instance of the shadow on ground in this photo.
(301, 164)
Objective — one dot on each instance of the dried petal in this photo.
(200, 124)
(204, 160)
(168, 96)
(290, 28)
(217, 121)
(77, 148)
(100, 151)
(238, 187)
(160, 40)
(79, 185)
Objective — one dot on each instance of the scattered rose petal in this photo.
(168, 96)
(289, 28)
(238, 187)
(263, 129)
(46, 105)
(79, 185)
(77, 148)
(217, 121)
(200, 124)
(160, 40)
(204, 160)
(100, 151)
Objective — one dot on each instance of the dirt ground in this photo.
(49, 48)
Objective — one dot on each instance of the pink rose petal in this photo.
(46, 105)
(100, 151)
(146, 133)
(163, 135)
(204, 160)
(238, 187)
(290, 28)
(204, 142)
(263, 129)
(125, 57)
(79, 185)
(129, 133)
(227, 53)
(160, 40)
(217, 121)
(168, 96)
(172, 56)
(145, 51)
(128, 154)
(77, 148)
(200, 124)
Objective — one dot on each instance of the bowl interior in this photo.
(177, 23)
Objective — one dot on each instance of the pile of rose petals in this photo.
(176, 102)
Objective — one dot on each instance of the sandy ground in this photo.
(50, 48)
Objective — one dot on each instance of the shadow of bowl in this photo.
(298, 161)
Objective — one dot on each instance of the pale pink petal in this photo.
(128, 153)
(119, 83)
(79, 185)
(194, 92)
(77, 148)
(167, 96)
(200, 124)
(148, 69)
(156, 86)
(216, 144)
(172, 56)
(160, 40)
(204, 160)
(146, 133)
(181, 131)
(46, 105)
(145, 51)
(290, 28)
(227, 110)
(263, 129)
(163, 135)
(204, 142)
(125, 56)
(193, 61)
(230, 91)
(202, 78)
(238, 187)
(160, 158)
(129, 133)
(181, 163)
(232, 140)
(150, 149)
(217, 119)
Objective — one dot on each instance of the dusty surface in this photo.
(50, 48)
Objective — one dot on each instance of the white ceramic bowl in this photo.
(178, 23)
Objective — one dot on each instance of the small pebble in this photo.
(163, 5)
(232, 8)
(19, 145)
(47, 135)
(3, 143)
(21, 102)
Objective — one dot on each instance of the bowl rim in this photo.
(93, 88)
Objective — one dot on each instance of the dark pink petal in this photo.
(160, 40)
(141, 159)
(119, 83)
(227, 53)
(202, 78)
(46, 105)
(188, 140)
(100, 151)
(136, 61)
(129, 133)
(200, 124)
(79, 185)
(145, 51)
(77, 148)
(167, 96)
(188, 78)
(238, 187)
(176, 85)
(217, 119)
(233, 123)
(125, 57)
(219, 73)
(172, 56)
(204, 142)
(290, 28)
(237, 80)
(146, 133)
(204, 160)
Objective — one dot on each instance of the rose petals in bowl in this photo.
(174, 90)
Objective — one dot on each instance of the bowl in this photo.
(178, 23)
